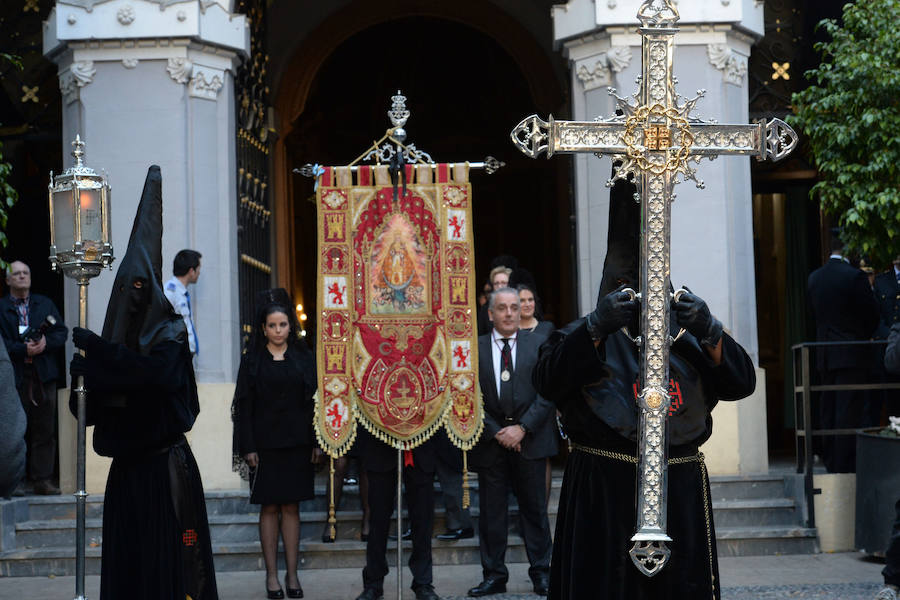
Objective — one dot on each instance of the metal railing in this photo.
(804, 388)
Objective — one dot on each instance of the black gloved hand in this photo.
(614, 311)
(692, 314)
(87, 340)
(78, 366)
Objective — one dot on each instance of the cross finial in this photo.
(78, 152)
(658, 13)
(398, 113)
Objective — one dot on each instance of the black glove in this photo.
(692, 314)
(87, 340)
(79, 365)
(614, 311)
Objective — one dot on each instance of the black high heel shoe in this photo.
(274, 595)
(296, 592)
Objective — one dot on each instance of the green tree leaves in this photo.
(851, 114)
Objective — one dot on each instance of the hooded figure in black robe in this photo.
(142, 398)
(590, 370)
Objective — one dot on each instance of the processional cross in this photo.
(655, 138)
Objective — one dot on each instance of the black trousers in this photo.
(39, 402)
(382, 497)
(527, 479)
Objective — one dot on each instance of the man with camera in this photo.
(34, 334)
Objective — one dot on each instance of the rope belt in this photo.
(698, 458)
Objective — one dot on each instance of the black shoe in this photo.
(364, 537)
(371, 594)
(487, 587)
(19, 491)
(452, 535)
(541, 585)
(407, 535)
(276, 595)
(296, 592)
(426, 592)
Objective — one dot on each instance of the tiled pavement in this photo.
(843, 576)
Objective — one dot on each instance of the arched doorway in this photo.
(465, 91)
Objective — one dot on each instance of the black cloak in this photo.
(142, 398)
(595, 390)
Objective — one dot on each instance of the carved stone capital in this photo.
(206, 83)
(732, 65)
(596, 71)
(74, 77)
(179, 69)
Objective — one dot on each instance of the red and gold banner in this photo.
(397, 342)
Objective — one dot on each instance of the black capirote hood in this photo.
(139, 315)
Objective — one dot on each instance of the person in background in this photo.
(518, 437)
(845, 310)
(185, 271)
(273, 416)
(34, 334)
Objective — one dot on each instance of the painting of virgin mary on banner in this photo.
(397, 345)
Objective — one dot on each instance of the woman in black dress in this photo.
(273, 410)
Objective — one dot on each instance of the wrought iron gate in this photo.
(253, 168)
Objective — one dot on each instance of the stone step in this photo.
(237, 527)
(766, 541)
(746, 487)
(759, 512)
(246, 555)
(222, 502)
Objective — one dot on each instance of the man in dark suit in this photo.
(380, 462)
(887, 294)
(845, 310)
(518, 436)
(35, 360)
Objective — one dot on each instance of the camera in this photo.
(33, 334)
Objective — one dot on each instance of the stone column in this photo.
(712, 229)
(151, 82)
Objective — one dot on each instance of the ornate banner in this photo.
(397, 341)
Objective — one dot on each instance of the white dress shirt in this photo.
(178, 297)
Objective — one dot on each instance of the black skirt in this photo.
(283, 476)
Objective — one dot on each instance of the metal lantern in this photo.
(79, 220)
(80, 248)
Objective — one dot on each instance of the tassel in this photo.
(465, 482)
(331, 520)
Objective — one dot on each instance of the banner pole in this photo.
(399, 524)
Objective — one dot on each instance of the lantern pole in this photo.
(82, 262)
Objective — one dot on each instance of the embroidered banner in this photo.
(397, 342)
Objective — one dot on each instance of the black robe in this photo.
(156, 541)
(595, 391)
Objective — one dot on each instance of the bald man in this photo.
(34, 345)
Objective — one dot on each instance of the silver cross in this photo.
(655, 138)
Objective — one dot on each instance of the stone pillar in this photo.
(712, 229)
(151, 82)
